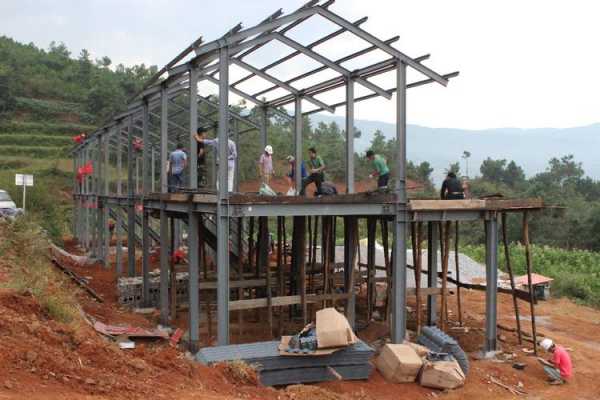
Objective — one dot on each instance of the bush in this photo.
(576, 273)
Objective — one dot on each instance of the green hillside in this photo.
(46, 98)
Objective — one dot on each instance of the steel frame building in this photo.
(149, 118)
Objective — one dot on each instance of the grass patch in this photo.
(24, 247)
(43, 110)
(576, 273)
(48, 201)
(36, 140)
(70, 129)
(34, 151)
(240, 372)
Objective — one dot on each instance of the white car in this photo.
(8, 208)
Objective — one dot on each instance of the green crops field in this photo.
(576, 273)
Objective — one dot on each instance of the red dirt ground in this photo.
(43, 359)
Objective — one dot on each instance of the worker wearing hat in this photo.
(265, 165)
(559, 369)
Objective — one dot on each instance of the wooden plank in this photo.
(514, 204)
(284, 301)
(446, 205)
(204, 198)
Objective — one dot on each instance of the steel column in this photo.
(106, 209)
(263, 127)
(147, 148)
(222, 203)
(349, 136)
(432, 267)
(194, 276)
(119, 221)
(298, 144)
(398, 331)
(193, 184)
(164, 219)
(131, 194)
(491, 278)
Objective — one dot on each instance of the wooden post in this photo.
(388, 265)
(529, 268)
(444, 239)
(456, 264)
(371, 233)
(281, 262)
(511, 275)
(416, 249)
(251, 243)
(240, 313)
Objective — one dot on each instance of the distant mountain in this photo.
(529, 148)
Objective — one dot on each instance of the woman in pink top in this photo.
(560, 368)
(265, 165)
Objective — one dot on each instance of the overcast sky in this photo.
(522, 63)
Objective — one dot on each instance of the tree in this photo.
(513, 175)
(492, 170)
(454, 167)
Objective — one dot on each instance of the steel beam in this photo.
(383, 46)
(327, 62)
(281, 84)
(297, 53)
(398, 331)
(222, 202)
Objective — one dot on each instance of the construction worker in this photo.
(559, 368)
(316, 168)
(231, 159)
(200, 135)
(452, 188)
(381, 170)
(265, 165)
(175, 167)
(292, 173)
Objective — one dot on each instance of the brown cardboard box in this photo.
(442, 375)
(333, 329)
(399, 363)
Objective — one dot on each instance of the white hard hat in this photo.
(546, 344)
(290, 158)
(269, 149)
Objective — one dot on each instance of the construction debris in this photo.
(273, 368)
(437, 341)
(517, 391)
(129, 331)
(441, 372)
(78, 280)
(399, 363)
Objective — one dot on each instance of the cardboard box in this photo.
(442, 375)
(422, 351)
(333, 329)
(399, 363)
